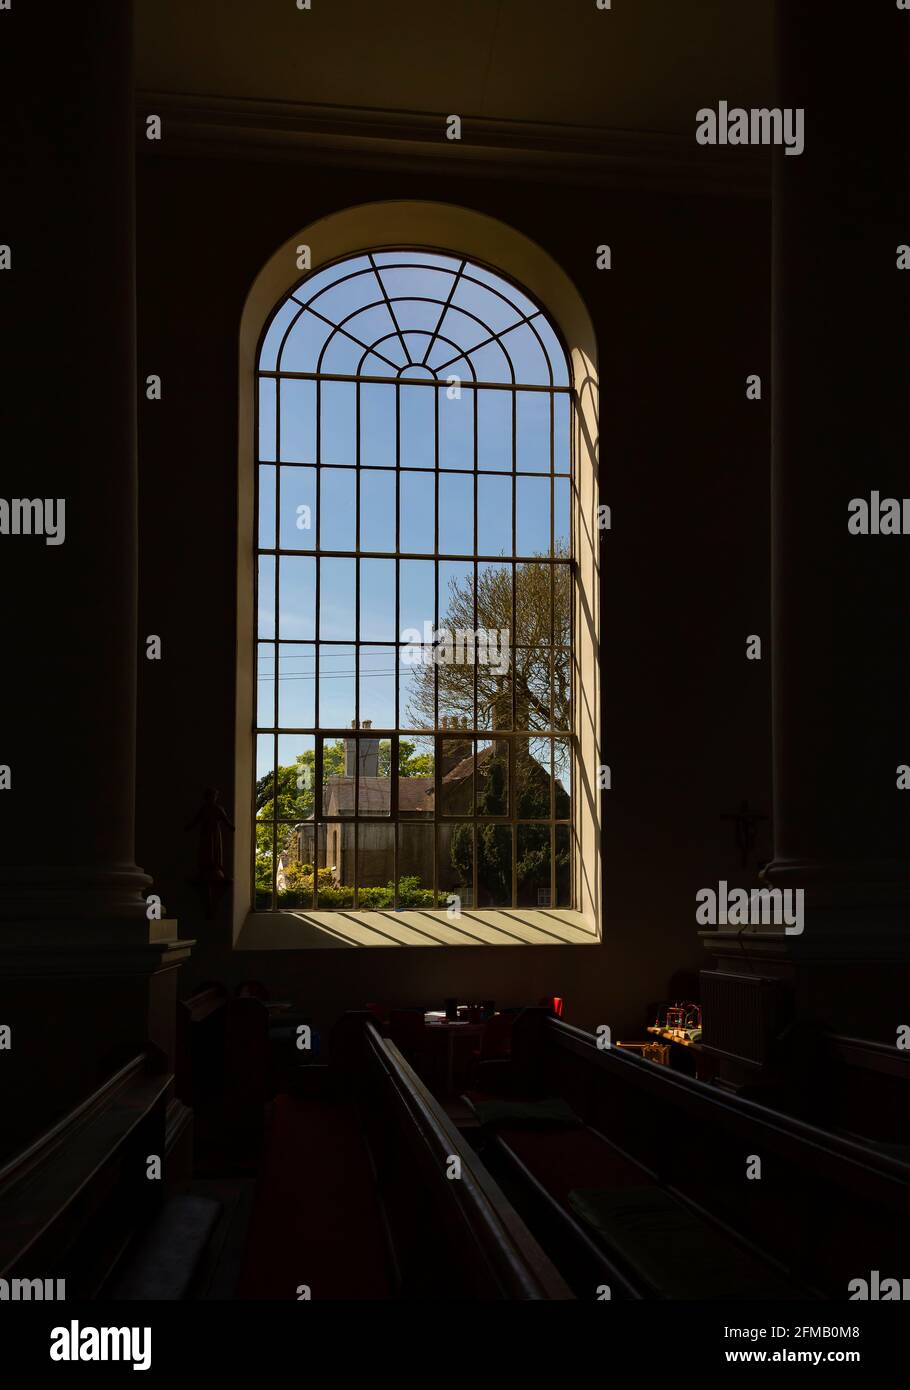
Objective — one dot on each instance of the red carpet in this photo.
(316, 1215)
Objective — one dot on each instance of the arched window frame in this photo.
(445, 230)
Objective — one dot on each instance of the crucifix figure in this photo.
(745, 829)
(211, 878)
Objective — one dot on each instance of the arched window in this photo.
(418, 714)
(414, 592)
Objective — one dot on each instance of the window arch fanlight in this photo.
(420, 626)
(413, 314)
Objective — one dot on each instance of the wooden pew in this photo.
(448, 1237)
(825, 1210)
(867, 1091)
(246, 1065)
(71, 1202)
(199, 1069)
(222, 1068)
(166, 1259)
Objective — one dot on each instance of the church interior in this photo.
(454, 763)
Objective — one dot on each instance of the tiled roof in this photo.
(414, 794)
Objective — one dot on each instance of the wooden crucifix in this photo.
(745, 822)
(211, 878)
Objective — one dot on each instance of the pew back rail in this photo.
(832, 1207)
(72, 1200)
(416, 1150)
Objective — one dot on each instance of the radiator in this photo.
(739, 1015)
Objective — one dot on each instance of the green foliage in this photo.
(410, 893)
(494, 842)
(332, 895)
(294, 799)
(411, 764)
(291, 797)
(296, 784)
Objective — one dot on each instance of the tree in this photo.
(290, 797)
(494, 841)
(412, 764)
(529, 656)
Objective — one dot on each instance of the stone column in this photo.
(839, 646)
(86, 981)
(841, 429)
(69, 382)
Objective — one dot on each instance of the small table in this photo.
(452, 1030)
(704, 1068)
(671, 1035)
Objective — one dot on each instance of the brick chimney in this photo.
(368, 755)
(501, 713)
(350, 754)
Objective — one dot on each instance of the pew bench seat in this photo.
(674, 1251)
(652, 1244)
(165, 1259)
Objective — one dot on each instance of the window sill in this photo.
(298, 930)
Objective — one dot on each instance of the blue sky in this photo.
(402, 330)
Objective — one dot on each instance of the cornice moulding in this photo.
(363, 138)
